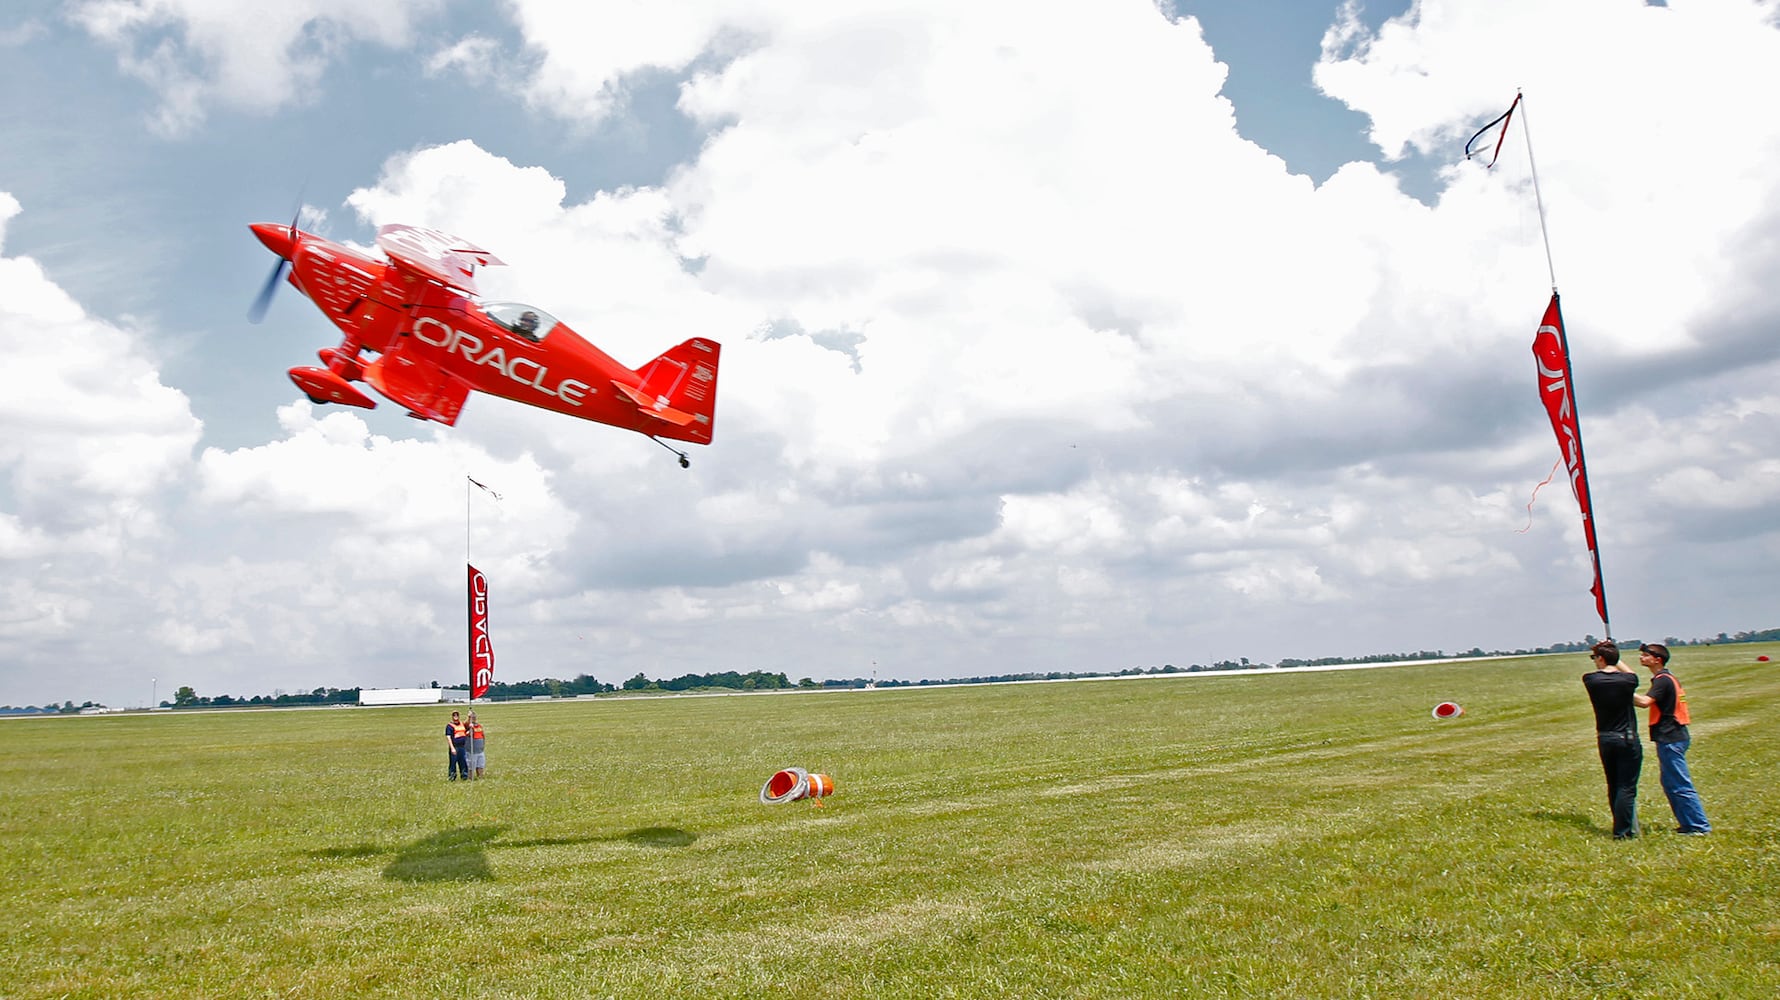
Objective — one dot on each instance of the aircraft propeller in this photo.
(257, 311)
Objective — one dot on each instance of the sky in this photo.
(1075, 335)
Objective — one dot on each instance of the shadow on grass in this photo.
(341, 853)
(649, 836)
(1576, 820)
(660, 836)
(449, 856)
(461, 855)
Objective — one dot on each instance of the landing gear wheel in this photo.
(685, 463)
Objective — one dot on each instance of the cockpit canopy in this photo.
(530, 322)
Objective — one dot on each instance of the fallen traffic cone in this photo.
(795, 783)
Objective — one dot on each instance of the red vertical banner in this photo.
(1551, 351)
(481, 647)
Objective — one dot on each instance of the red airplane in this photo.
(434, 340)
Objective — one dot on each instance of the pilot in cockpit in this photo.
(527, 325)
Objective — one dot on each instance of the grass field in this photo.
(1308, 834)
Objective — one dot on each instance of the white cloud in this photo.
(399, 507)
(1020, 255)
(91, 430)
(22, 34)
(476, 57)
(589, 53)
(1618, 138)
(93, 436)
(197, 54)
(1030, 360)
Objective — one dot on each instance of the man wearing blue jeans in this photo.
(1668, 730)
(457, 744)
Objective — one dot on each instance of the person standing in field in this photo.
(1611, 687)
(1668, 730)
(457, 738)
(477, 756)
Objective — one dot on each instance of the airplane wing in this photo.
(432, 254)
(428, 391)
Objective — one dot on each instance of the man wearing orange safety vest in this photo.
(1668, 730)
(457, 739)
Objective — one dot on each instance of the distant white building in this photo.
(404, 696)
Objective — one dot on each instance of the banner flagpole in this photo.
(469, 496)
(1557, 382)
(481, 647)
(1526, 129)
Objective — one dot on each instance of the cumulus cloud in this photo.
(91, 429)
(398, 508)
(1021, 257)
(92, 435)
(1101, 358)
(589, 54)
(477, 57)
(1630, 197)
(257, 58)
(1031, 361)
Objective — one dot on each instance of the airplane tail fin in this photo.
(680, 389)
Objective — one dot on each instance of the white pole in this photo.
(469, 662)
(1538, 199)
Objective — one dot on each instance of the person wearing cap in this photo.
(1668, 730)
(457, 738)
(1611, 687)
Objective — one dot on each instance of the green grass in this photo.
(1301, 835)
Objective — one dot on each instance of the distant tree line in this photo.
(547, 687)
(185, 697)
(65, 708)
(754, 680)
(1588, 641)
(761, 680)
(1763, 635)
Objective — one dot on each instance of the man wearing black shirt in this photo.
(1610, 689)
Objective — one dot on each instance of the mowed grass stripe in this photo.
(1303, 834)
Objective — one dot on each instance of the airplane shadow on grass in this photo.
(461, 855)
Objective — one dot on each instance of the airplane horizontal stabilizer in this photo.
(656, 408)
